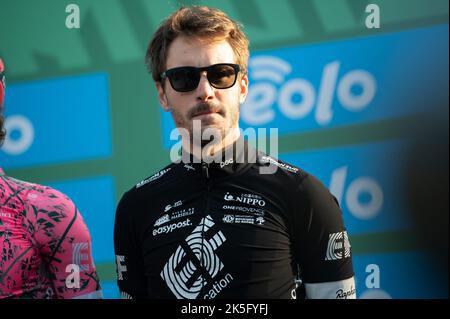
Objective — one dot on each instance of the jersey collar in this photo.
(235, 158)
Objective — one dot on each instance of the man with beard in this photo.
(225, 221)
(45, 246)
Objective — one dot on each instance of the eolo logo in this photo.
(296, 98)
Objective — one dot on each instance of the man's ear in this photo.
(243, 88)
(162, 97)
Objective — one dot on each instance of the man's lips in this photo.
(205, 113)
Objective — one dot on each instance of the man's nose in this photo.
(204, 90)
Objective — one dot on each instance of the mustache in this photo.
(205, 107)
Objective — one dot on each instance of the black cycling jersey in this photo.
(227, 230)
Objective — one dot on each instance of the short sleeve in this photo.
(322, 246)
(64, 243)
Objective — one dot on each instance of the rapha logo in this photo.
(251, 199)
(341, 294)
(194, 264)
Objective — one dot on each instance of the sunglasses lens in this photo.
(184, 79)
(222, 76)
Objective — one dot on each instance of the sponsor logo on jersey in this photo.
(268, 159)
(176, 204)
(218, 286)
(341, 294)
(163, 219)
(189, 167)
(184, 271)
(251, 199)
(32, 196)
(125, 295)
(256, 211)
(260, 220)
(227, 162)
(6, 215)
(170, 228)
(121, 267)
(338, 246)
(178, 214)
(80, 255)
(182, 213)
(242, 219)
(228, 219)
(153, 177)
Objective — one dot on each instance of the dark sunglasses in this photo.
(187, 78)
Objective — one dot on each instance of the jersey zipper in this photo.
(206, 174)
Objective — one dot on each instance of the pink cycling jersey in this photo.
(45, 246)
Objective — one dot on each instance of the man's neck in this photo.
(213, 148)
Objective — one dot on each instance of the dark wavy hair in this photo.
(195, 22)
(2, 129)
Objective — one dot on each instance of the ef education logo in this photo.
(338, 246)
(195, 264)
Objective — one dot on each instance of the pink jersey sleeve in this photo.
(45, 244)
(64, 243)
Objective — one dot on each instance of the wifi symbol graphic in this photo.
(269, 68)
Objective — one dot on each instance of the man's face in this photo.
(217, 109)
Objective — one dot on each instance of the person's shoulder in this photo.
(280, 169)
(18, 185)
(160, 177)
(302, 180)
(152, 183)
(41, 198)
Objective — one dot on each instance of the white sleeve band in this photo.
(343, 289)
